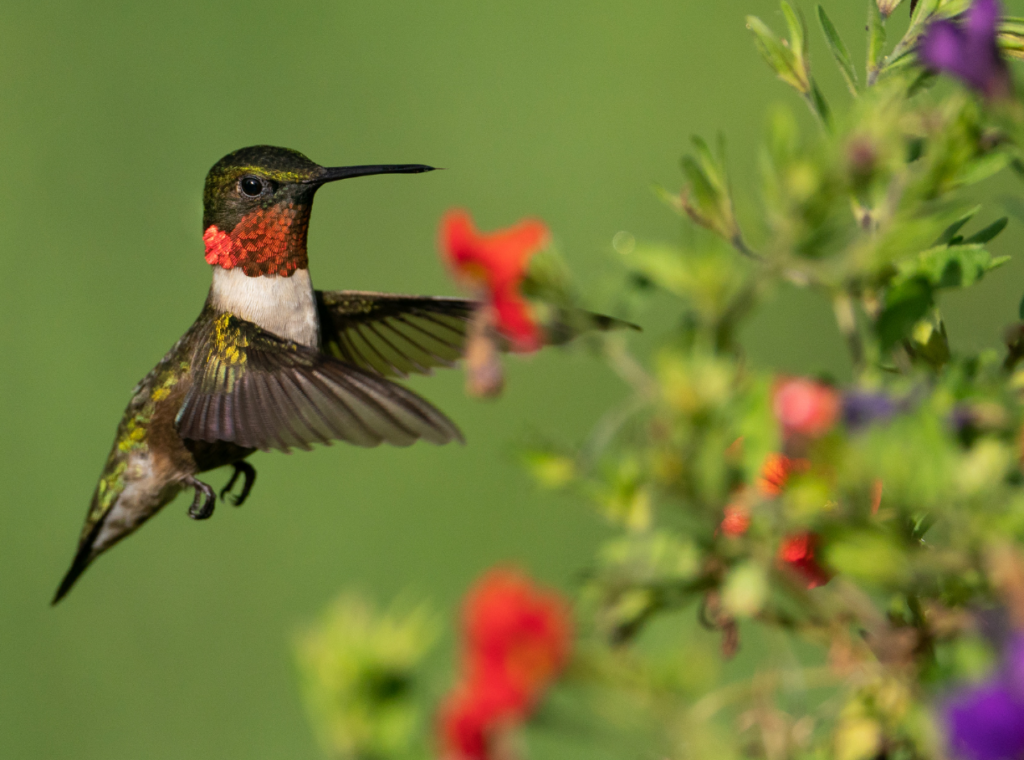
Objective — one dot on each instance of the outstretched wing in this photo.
(259, 391)
(394, 335)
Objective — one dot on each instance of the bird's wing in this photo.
(259, 391)
(394, 335)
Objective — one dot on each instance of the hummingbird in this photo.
(271, 363)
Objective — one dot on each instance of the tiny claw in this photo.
(202, 504)
(249, 472)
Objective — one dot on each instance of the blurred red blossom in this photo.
(798, 552)
(516, 639)
(805, 407)
(736, 519)
(776, 471)
(496, 264)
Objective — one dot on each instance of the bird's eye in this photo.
(251, 186)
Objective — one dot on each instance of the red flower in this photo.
(516, 639)
(805, 407)
(736, 520)
(776, 471)
(469, 719)
(516, 635)
(497, 263)
(797, 552)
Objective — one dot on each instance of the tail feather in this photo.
(83, 557)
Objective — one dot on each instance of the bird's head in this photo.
(256, 207)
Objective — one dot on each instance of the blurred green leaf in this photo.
(869, 556)
(359, 669)
(905, 304)
(989, 232)
(779, 57)
(876, 41)
(839, 51)
(797, 32)
(922, 11)
(820, 105)
(982, 168)
(955, 266)
(745, 590)
(954, 228)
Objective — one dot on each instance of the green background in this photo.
(176, 643)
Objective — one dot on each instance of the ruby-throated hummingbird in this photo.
(270, 363)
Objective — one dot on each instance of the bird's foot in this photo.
(249, 474)
(202, 504)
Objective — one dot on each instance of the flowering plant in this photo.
(854, 540)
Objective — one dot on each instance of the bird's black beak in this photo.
(345, 172)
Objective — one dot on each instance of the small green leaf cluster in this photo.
(360, 671)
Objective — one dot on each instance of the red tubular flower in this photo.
(776, 471)
(805, 407)
(798, 552)
(736, 520)
(516, 635)
(496, 263)
(468, 721)
(516, 640)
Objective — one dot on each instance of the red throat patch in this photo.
(268, 241)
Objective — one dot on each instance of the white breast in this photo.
(284, 306)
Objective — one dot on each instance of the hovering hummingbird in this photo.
(271, 363)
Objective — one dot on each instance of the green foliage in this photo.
(360, 673)
(853, 534)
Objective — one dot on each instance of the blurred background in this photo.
(177, 643)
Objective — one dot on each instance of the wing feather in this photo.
(393, 335)
(259, 391)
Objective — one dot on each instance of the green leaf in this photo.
(819, 104)
(983, 236)
(781, 59)
(922, 11)
(956, 266)
(839, 51)
(797, 31)
(951, 8)
(712, 169)
(984, 167)
(954, 228)
(1020, 309)
(670, 199)
(703, 187)
(870, 557)
(925, 79)
(876, 40)
(905, 304)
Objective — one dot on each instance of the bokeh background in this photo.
(177, 643)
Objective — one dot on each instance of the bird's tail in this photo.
(83, 557)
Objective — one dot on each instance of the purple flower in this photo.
(861, 408)
(969, 51)
(986, 722)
